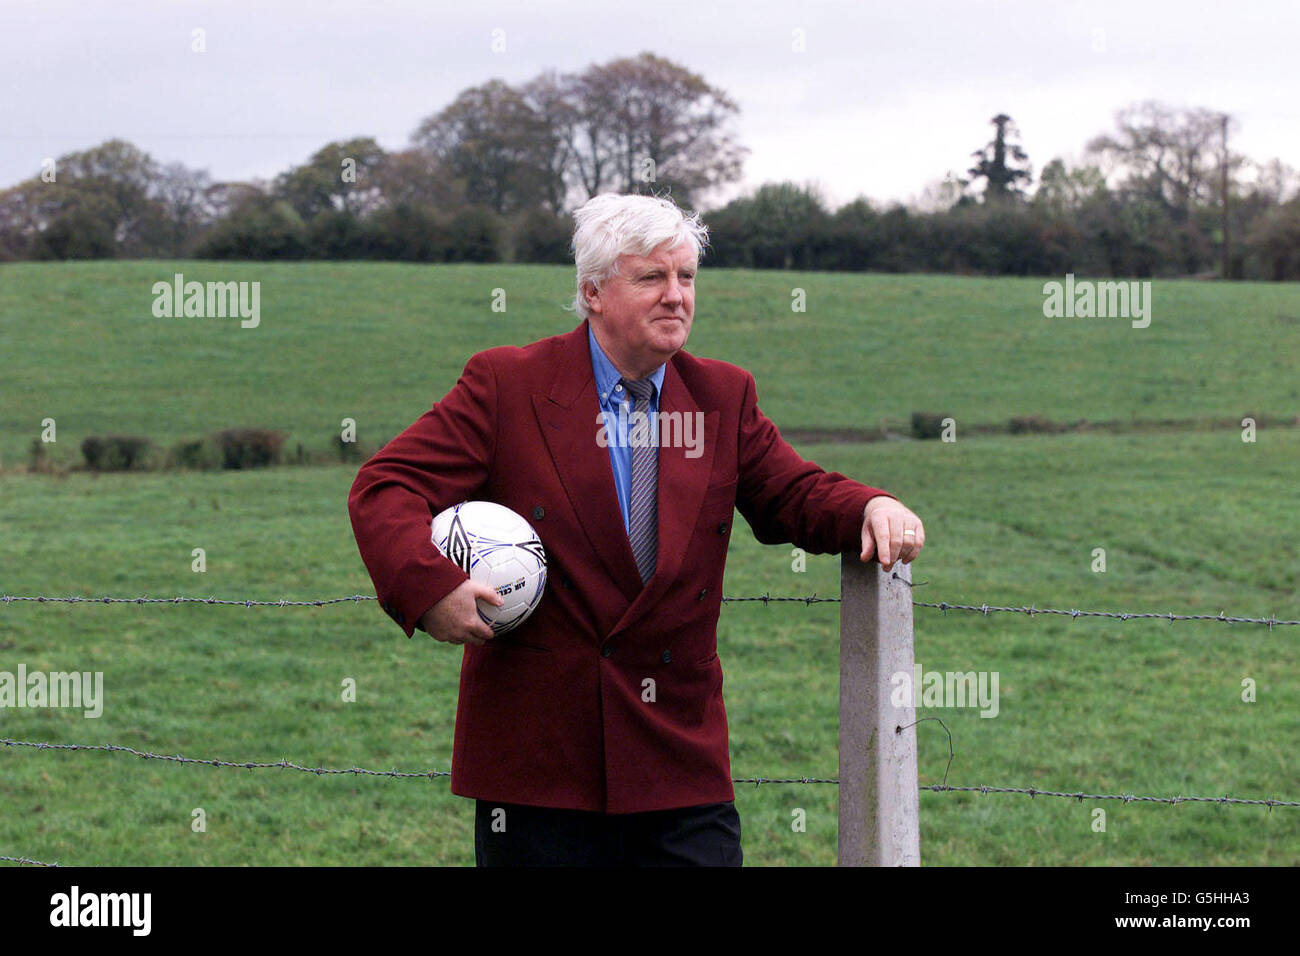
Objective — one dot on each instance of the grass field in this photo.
(1194, 521)
(379, 342)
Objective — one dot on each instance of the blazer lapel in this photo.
(568, 418)
(682, 483)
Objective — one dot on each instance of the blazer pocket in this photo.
(718, 503)
(721, 492)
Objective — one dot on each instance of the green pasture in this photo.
(379, 343)
(1193, 521)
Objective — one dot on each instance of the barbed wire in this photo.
(765, 599)
(43, 599)
(756, 781)
(245, 764)
(22, 860)
(1120, 615)
(1080, 796)
(1077, 795)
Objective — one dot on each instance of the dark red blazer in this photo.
(556, 713)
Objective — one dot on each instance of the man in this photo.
(595, 732)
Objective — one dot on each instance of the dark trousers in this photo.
(510, 834)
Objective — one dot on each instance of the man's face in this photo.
(642, 315)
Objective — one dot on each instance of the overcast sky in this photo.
(888, 97)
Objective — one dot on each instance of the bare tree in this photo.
(413, 177)
(1169, 155)
(552, 100)
(649, 124)
(183, 193)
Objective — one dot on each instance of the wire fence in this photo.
(765, 599)
(1076, 795)
(433, 774)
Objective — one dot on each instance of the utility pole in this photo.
(1223, 186)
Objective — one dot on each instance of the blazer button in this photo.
(565, 582)
(700, 596)
(722, 528)
(538, 513)
(666, 657)
(607, 650)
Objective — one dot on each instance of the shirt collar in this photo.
(607, 376)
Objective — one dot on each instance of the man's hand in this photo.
(891, 532)
(455, 620)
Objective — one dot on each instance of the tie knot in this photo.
(639, 389)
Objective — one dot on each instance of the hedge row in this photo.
(230, 449)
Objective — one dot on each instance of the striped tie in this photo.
(643, 508)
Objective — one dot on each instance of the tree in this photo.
(551, 98)
(646, 124)
(1063, 190)
(855, 238)
(997, 164)
(1174, 159)
(1276, 182)
(110, 200)
(339, 176)
(184, 194)
(264, 228)
(1169, 155)
(413, 177)
(81, 229)
(1274, 243)
(785, 222)
(489, 137)
(941, 195)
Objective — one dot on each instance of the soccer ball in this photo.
(496, 547)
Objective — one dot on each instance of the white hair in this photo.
(612, 225)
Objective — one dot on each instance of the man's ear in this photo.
(592, 295)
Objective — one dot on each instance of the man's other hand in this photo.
(455, 620)
(891, 532)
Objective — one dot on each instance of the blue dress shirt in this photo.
(611, 395)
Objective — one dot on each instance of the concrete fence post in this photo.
(879, 802)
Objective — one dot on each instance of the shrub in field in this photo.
(114, 452)
(1029, 424)
(407, 232)
(348, 450)
(248, 447)
(928, 424)
(261, 229)
(475, 236)
(543, 237)
(40, 458)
